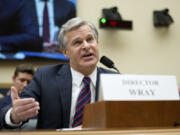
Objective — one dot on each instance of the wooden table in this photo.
(167, 131)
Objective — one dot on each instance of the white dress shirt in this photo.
(39, 8)
(77, 85)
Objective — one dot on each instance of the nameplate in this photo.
(137, 87)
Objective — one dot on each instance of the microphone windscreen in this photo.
(107, 62)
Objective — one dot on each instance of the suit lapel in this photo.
(30, 4)
(57, 4)
(64, 81)
(55, 16)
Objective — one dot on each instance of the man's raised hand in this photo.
(22, 109)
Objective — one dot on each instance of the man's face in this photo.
(82, 48)
(21, 81)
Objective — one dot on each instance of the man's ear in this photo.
(13, 78)
(65, 52)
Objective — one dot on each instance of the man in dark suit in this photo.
(17, 30)
(60, 11)
(53, 93)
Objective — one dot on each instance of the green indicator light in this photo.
(103, 20)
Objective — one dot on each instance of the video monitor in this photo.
(29, 28)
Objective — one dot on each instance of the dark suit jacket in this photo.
(63, 11)
(52, 87)
(5, 101)
(17, 30)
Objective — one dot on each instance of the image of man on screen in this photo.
(48, 16)
(17, 29)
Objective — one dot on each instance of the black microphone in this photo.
(109, 63)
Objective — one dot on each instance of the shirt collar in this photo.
(77, 77)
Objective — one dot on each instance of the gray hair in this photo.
(71, 24)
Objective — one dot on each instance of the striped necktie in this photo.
(83, 99)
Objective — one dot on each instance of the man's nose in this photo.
(25, 83)
(86, 45)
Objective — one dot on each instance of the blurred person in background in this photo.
(22, 76)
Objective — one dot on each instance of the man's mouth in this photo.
(87, 55)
